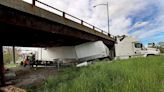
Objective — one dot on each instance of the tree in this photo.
(161, 47)
(161, 50)
(8, 54)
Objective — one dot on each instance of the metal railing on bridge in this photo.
(65, 15)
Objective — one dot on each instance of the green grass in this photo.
(133, 75)
(11, 65)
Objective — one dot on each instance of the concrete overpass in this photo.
(23, 24)
(22, 21)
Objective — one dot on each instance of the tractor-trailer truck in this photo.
(125, 47)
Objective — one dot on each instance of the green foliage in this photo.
(132, 75)
(8, 54)
(7, 58)
(10, 65)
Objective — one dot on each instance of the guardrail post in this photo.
(82, 22)
(115, 38)
(64, 14)
(109, 35)
(33, 2)
(93, 27)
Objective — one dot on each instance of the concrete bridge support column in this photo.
(2, 78)
(14, 60)
(112, 51)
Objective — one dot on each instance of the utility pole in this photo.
(108, 18)
(107, 7)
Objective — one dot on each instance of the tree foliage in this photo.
(8, 54)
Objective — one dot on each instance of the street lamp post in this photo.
(107, 5)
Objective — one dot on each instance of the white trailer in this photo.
(63, 54)
(92, 50)
(83, 52)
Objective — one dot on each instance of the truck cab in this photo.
(138, 47)
(127, 47)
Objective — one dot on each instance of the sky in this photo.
(142, 19)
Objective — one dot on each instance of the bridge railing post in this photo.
(93, 27)
(33, 2)
(109, 35)
(82, 22)
(64, 14)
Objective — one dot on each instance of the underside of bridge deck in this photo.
(19, 36)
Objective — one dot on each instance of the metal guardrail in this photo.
(81, 21)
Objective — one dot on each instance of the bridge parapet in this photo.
(45, 16)
(64, 15)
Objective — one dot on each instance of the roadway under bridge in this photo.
(26, 25)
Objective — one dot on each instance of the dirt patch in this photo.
(32, 77)
(27, 77)
(11, 89)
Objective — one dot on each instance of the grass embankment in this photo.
(133, 75)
